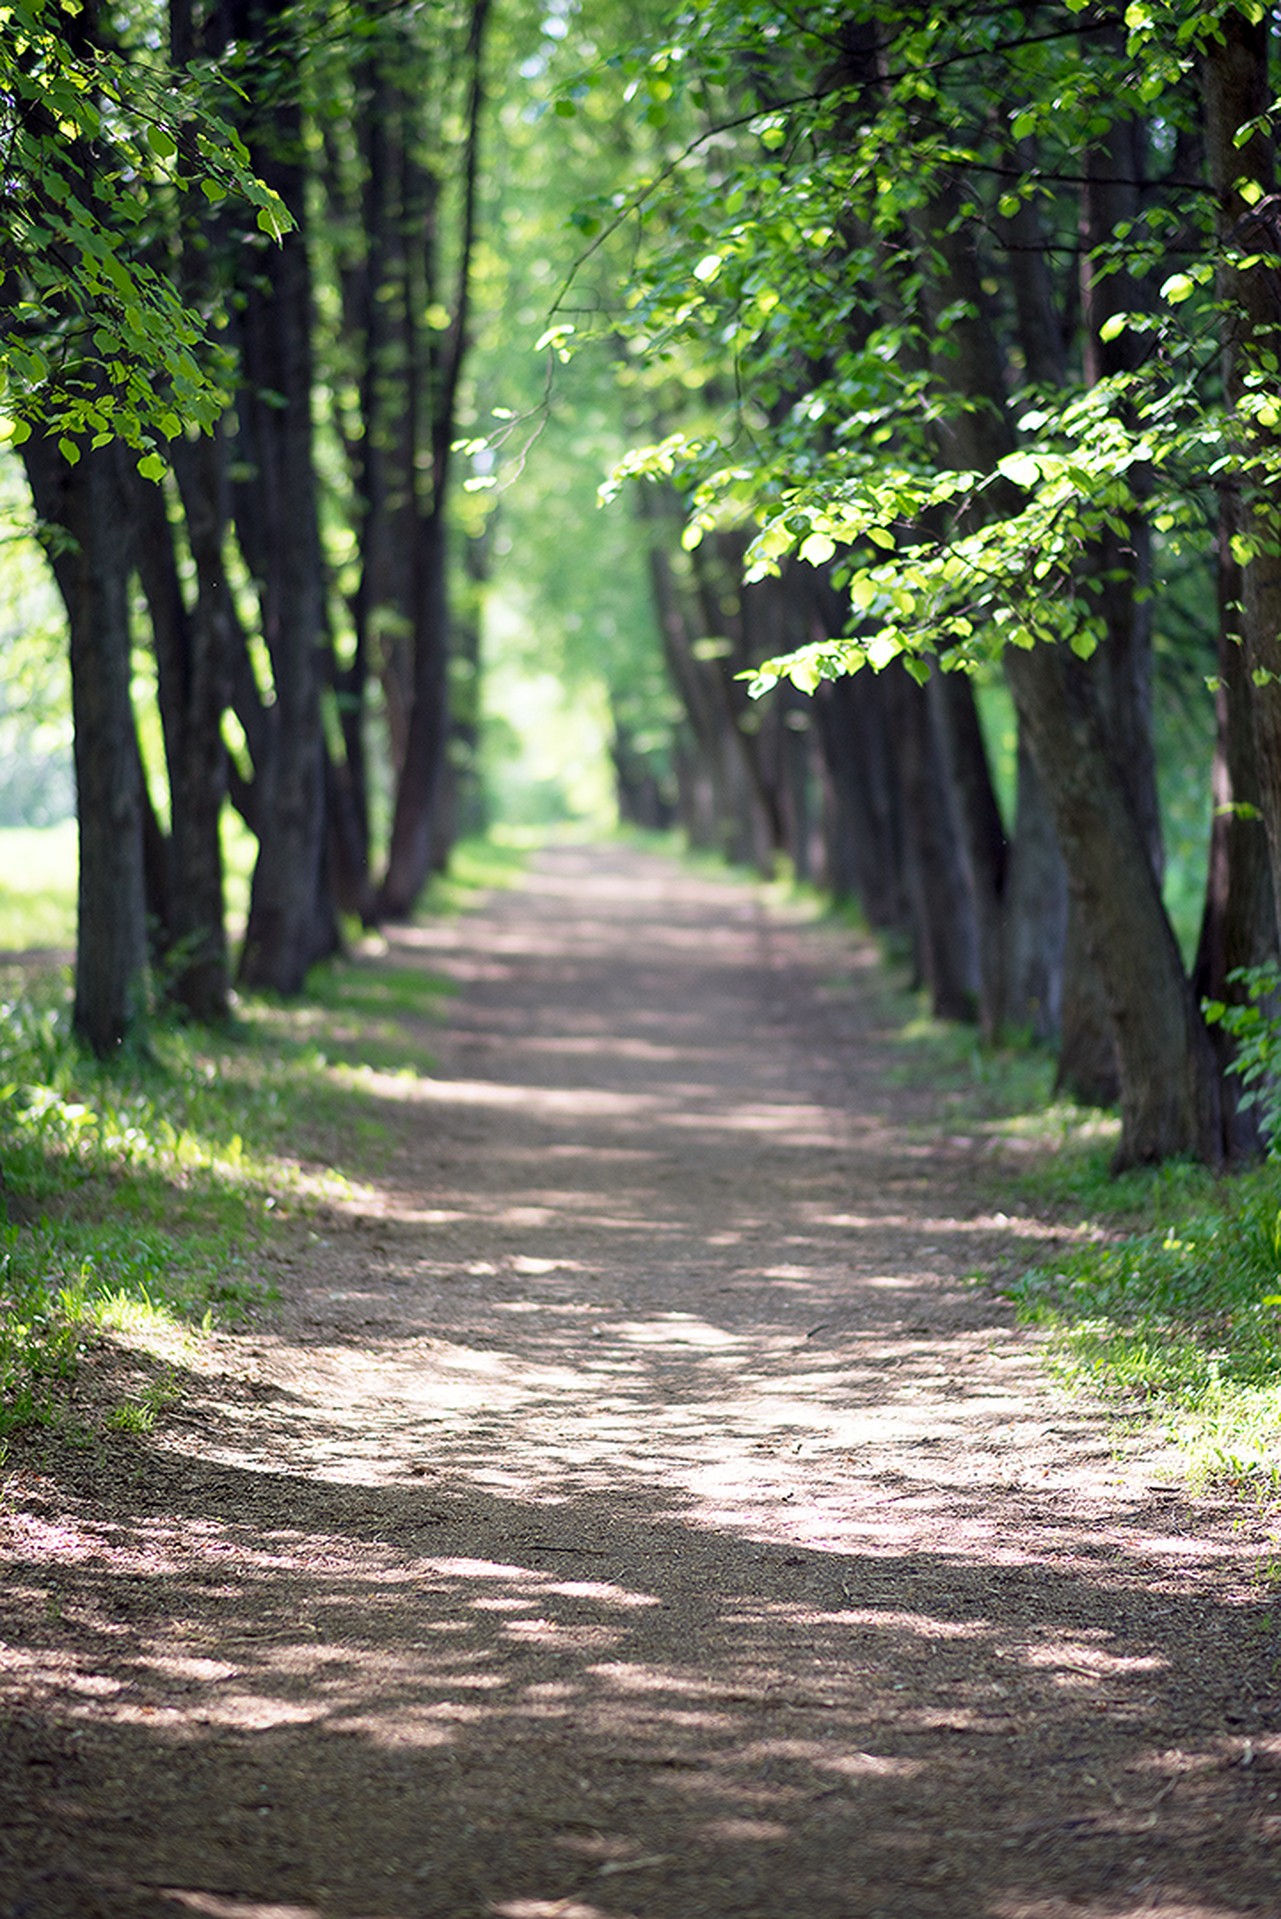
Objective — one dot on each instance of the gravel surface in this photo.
(633, 1511)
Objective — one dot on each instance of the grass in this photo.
(146, 1195)
(1174, 1310)
(477, 866)
(1168, 1304)
(38, 887)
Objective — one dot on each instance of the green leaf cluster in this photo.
(787, 298)
(98, 340)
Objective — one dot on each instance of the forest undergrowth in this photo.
(141, 1195)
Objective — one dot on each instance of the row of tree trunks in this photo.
(1056, 924)
(246, 501)
(1089, 732)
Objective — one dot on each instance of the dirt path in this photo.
(633, 1513)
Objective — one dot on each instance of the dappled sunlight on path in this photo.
(636, 1510)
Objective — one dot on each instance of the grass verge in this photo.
(1167, 1302)
(1173, 1309)
(145, 1197)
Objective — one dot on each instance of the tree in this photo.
(97, 351)
(874, 309)
(404, 183)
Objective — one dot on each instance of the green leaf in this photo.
(818, 549)
(1020, 469)
(162, 143)
(771, 542)
(275, 219)
(1179, 287)
(152, 467)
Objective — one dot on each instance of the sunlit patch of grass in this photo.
(137, 1412)
(1179, 1315)
(365, 1012)
(38, 887)
(239, 850)
(39, 1340)
(1078, 1181)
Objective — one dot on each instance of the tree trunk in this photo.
(1238, 923)
(418, 789)
(1170, 1101)
(1087, 1062)
(944, 928)
(1036, 910)
(87, 501)
(967, 358)
(291, 918)
(981, 837)
(1238, 92)
(434, 368)
(865, 855)
(191, 647)
(725, 788)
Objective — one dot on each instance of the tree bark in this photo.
(291, 917)
(193, 683)
(1170, 1098)
(1036, 910)
(433, 376)
(1238, 922)
(865, 855)
(946, 935)
(967, 359)
(87, 502)
(1238, 92)
(981, 837)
